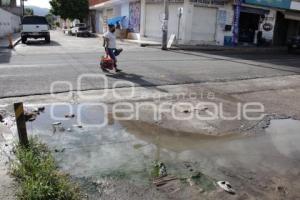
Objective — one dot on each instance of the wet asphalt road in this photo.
(32, 69)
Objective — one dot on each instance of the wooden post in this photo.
(21, 124)
(10, 42)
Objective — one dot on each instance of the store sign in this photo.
(271, 3)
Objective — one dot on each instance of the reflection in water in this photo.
(131, 146)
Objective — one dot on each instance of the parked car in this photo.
(35, 27)
(293, 44)
(80, 30)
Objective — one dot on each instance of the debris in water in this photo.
(1, 118)
(56, 123)
(30, 116)
(58, 126)
(202, 180)
(59, 151)
(41, 109)
(159, 170)
(70, 116)
(78, 126)
(225, 185)
(61, 129)
(163, 180)
(69, 130)
(162, 170)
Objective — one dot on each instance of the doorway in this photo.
(249, 24)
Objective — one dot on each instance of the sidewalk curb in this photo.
(230, 49)
(15, 43)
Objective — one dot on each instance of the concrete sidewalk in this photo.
(240, 49)
(4, 40)
(143, 42)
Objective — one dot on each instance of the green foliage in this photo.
(155, 170)
(70, 9)
(39, 178)
(29, 11)
(204, 181)
(50, 19)
(57, 24)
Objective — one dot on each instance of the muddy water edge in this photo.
(116, 161)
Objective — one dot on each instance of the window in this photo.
(34, 20)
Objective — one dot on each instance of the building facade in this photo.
(9, 17)
(11, 6)
(214, 22)
(277, 20)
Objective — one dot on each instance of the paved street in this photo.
(30, 69)
(241, 151)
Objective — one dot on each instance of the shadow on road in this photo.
(273, 59)
(5, 55)
(136, 79)
(41, 43)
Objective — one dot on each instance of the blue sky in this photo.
(39, 3)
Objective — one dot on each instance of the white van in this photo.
(35, 27)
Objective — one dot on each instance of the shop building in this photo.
(213, 22)
(124, 12)
(192, 21)
(273, 21)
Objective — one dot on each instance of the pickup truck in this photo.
(35, 27)
(80, 30)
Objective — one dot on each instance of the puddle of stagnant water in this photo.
(128, 148)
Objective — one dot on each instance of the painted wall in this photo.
(125, 12)
(224, 17)
(295, 5)
(9, 23)
(134, 16)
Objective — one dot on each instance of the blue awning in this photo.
(115, 20)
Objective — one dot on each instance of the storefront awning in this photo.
(292, 16)
(254, 10)
(116, 20)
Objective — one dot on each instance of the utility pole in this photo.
(23, 7)
(165, 26)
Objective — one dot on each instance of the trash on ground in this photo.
(225, 185)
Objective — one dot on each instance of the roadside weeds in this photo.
(36, 171)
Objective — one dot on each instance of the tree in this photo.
(70, 9)
(29, 11)
(50, 19)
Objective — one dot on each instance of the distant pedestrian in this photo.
(109, 43)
